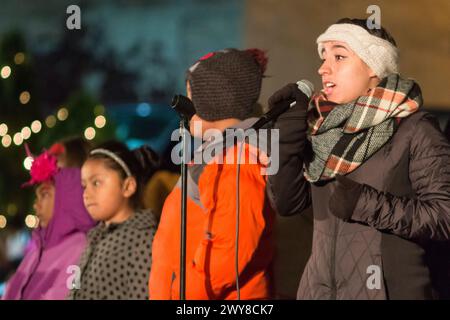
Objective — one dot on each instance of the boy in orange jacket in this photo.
(224, 87)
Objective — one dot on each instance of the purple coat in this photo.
(43, 275)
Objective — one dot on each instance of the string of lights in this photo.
(36, 126)
(18, 138)
(9, 139)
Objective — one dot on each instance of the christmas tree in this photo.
(27, 117)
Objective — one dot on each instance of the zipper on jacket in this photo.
(174, 276)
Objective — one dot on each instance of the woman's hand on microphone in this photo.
(291, 124)
(288, 187)
(288, 94)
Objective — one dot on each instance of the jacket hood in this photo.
(69, 213)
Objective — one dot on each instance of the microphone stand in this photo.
(184, 137)
(185, 109)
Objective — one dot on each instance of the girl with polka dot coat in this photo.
(116, 263)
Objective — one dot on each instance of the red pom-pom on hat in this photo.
(206, 56)
(260, 57)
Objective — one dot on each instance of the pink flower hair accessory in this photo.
(57, 149)
(43, 168)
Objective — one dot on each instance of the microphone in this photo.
(183, 106)
(304, 86)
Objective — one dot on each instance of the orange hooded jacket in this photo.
(211, 234)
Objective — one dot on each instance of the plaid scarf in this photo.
(344, 136)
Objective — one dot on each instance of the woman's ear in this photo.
(129, 187)
(374, 80)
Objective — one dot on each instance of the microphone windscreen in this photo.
(306, 87)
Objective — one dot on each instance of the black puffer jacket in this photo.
(398, 248)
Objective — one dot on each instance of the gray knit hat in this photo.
(226, 84)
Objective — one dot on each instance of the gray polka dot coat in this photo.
(116, 263)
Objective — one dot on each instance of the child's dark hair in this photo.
(142, 162)
(378, 32)
(76, 151)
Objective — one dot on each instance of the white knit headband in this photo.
(379, 54)
(115, 157)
